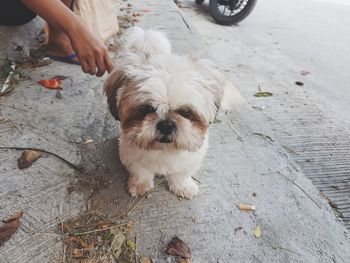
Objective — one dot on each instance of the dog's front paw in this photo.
(184, 187)
(139, 187)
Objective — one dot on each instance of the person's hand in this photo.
(92, 53)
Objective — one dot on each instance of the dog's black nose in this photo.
(166, 127)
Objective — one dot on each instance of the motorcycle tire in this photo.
(222, 19)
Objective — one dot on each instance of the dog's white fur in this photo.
(147, 72)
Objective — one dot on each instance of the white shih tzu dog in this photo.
(165, 103)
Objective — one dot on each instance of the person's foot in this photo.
(59, 46)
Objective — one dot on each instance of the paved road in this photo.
(268, 51)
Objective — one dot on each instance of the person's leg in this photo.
(58, 43)
(14, 13)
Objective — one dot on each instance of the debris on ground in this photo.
(145, 260)
(259, 107)
(305, 72)
(3, 119)
(254, 194)
(299, 83)
(11, 79)
(93, 237)
(246, 207)
(263, 94)
(10, 227)
(237, 229)
(53, 83)
(35, 61)
(257, 232)
(27, 158)
(59, 94)
(118, 241)
(13, 217)
(88, 141)
(178, 248)
(127, 18)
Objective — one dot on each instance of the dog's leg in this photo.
(182, 185)
(140, 181)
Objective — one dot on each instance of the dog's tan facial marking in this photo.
(136, 114)
(196, 119)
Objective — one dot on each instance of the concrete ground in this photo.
(268, 51)
(246, 156)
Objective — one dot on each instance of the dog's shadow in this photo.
(105, 177)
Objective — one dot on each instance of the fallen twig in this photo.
(300, 189)
(229, 124)
(96, 230)
(266, 137)
(196, 180)
(143, 197)
(13, 107)
(72, 165)
(284, 248)
(63, 244)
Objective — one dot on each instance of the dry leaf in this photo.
(116, 246)
(8, 229)
(80, 243)
(77, 253)
(263, 94)
(177, 247)
(3, 119)
(130, 226)
(145, 260)
(257, 232)
(104, 224)
(246, 207)
(14, 217)
(54, 83)
(27, 158)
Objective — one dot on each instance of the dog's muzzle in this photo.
(166, 128)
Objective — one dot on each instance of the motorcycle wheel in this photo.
(229, 12)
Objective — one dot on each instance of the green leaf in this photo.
(131, 244)
(263, 94)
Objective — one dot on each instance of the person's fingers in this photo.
(101, 66)
(92, 66)
(108, 63)
(84, 65)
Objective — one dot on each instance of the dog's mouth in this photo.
(165, 139)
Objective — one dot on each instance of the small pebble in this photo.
(78, 140)
(59, 94)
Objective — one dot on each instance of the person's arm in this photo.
(92, 53)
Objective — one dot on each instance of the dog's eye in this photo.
(186, 113)
(145, 109)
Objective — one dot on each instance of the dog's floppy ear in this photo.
(115, 81)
